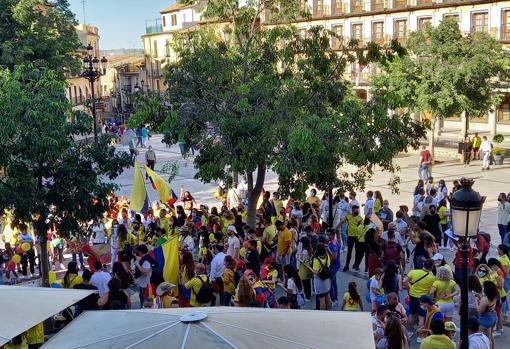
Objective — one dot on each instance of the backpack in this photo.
(325, 272)
(391, 253)
(205, 294)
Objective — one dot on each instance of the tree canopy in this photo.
(445, 72)
(40, 33)
(265, 98)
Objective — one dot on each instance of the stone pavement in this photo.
(488, 183)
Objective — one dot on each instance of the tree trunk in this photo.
(43, 258)
(254, 190)
(235, 177)
(330, 207)
(432, 138)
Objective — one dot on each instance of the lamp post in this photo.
(93, 70)
(466, 209)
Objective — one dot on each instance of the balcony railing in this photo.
(153, 29)
(399, 3)
(424, 2)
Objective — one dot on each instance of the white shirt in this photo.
(442, 192)
(369, 207)
(478, 341)
(100, 279)
(217, 266)
(235, 198)
(503, 213)
(398, 238)
(99, 233)
(324, 208)
(353, 202)
(401, 225)
(485, 146)
(144, 279)
(233, 245)
(291, 285)
(188, 241)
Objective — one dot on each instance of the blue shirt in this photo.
(145, 132)
(334, 247)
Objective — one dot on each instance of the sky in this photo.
(120, 22)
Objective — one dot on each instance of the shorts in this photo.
(414, 306)
(488, 319)
(283, 260)
(475, 149)
(447, 309)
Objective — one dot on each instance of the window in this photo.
(356, 5)
(377, 5)
(424, 2)
(174, 20)
(164, 21)
(479, 22)
(302, 33)
(155, 49)
(399, 3)
(319, 8)
(400, 30)
(337, 7)
(452, 15)
(505, 25)
(183, 18)
(357, 31)
(423, 21)
(378, 32)
(167, 48)
(339, 32)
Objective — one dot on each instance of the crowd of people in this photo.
(291, 256)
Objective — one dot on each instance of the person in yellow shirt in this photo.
(18, 342)
(354, 220)
(378, 202)
(313, 199)
(352, 300)
(268, 235)
(196, 283)
(71, 277)
(283, 246)
(476, 142)
(322, 284)
(443, 290)
(419, 283)
(438, 339)
(35, 336)
(165, 292)
(228, 277)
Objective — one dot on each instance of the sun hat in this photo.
(163, 288)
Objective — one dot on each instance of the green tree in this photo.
(40, 33)
(269, 99)
(445, 73)
(46, 172)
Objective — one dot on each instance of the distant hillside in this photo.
(123, 52)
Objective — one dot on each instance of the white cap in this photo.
(232, 227)
(437, 257)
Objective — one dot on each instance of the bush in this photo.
(499, 138)
(499, 151)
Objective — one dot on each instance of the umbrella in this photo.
(24, 307)
(216, 327)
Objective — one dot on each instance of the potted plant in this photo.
(498, 152)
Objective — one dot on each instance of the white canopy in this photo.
(216, 327)
(24, 307)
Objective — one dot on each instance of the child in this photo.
(352, 300)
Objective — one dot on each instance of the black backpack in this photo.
(205, 294)
(325, 272)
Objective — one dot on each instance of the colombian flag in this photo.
(139, 197)
(167, 259)
(166, 194)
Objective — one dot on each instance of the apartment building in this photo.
(381, 21)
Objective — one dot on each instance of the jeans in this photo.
(80, 257)
(486, 159)
(424, 172)
(227, 297)
(361, 251)
(343, 228)
(351, 241)
(307, 288)
(458, 274)
(503, 230)
(26, 259)
(141, 294)
(444, 227)
(334, 286)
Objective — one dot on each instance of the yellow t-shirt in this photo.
(493, 276)
(35, 335)
(194, 285)
(23, 344)
(273, 276)
(350, 304)
(313, 200)
(420, 287)
(505, 261)
(269, 233)
(228, 281)
(477, 141)
(73, 280)
(377, 205)
(324, 261)
(441, 212)
(164, 224)
(362, 230)
(437, 341)
(166, 301)
(441, 290)
(284, 236)
(352, 224)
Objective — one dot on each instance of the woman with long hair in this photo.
(374, 252)
(378, 201)
(304, 257)
(293, 286)
(442, 211)
(245, 296)
(475, 292)
(394, 337)
(487, 309)
(390, 280)
(125, 276)
(419, 185)
(321, 280)
(443, 290)
(186, 273)
(352, 300)
(498, 277)
(71, 277)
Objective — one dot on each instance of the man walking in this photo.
(150, 159)
(485, 149)
(353, 221)
(424, 170)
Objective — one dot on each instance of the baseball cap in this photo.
(426, 299)
(437, 257)
(450, 326)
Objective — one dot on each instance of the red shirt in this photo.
(425, 156)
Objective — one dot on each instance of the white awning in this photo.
(216, 327)
(21, 308)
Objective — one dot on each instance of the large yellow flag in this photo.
(139, 199)
(167, 259)
(165, 193)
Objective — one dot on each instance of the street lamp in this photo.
(466, 209)
(94, 68)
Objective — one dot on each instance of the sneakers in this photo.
(418, 339)
(496, 334)
(346, 268)
(334, 304)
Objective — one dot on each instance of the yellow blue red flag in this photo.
(167, 259)
(139, 198)
(166, 194)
